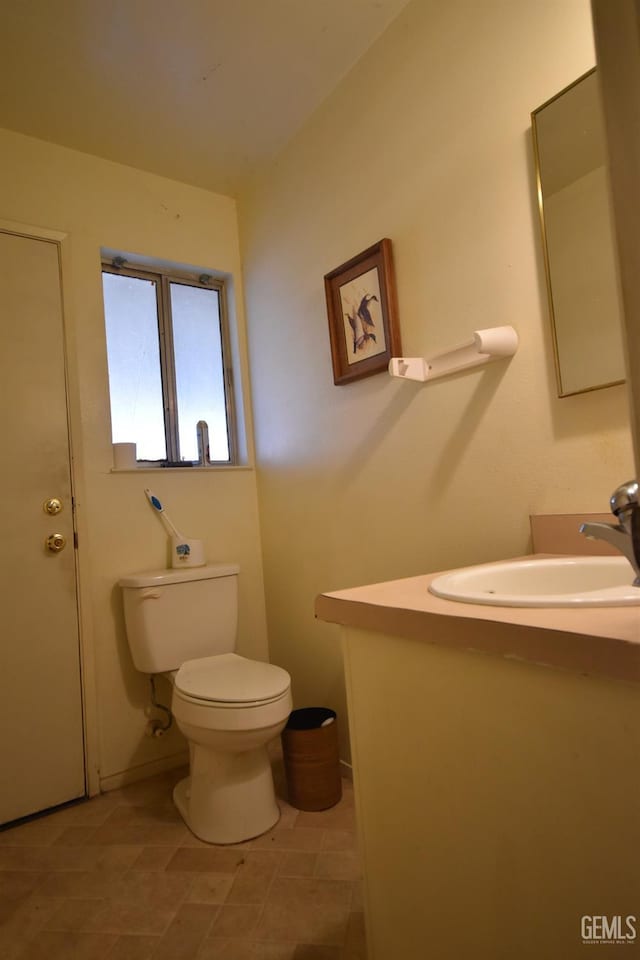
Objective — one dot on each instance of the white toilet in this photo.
(183, 623)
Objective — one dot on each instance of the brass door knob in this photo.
(52, 506)
(55, 542)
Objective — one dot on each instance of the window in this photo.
(167, 348)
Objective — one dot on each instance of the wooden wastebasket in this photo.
(311, 758)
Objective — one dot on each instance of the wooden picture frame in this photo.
(363, 314)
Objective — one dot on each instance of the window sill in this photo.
(223, 468)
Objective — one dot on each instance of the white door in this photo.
(41, 729)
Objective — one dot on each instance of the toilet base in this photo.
(227, 797)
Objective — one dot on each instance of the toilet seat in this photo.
(229, 680)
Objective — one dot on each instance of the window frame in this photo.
(162, 279)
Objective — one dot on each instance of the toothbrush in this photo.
(168, 525)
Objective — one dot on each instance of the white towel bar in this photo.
(490, 344)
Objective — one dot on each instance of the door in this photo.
(41, 727)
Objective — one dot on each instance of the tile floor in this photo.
(120, 877)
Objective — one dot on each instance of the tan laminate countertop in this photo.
(602, 641)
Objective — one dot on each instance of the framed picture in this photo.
(363, 316)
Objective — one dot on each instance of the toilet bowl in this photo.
(229, 795)
(182, 623)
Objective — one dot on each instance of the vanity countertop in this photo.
(596, 640)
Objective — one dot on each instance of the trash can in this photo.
(311, 760)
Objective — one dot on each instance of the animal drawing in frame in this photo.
(363, 316)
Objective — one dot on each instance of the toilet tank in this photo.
(177, 615)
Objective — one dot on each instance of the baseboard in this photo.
(142, 772)
(154, 767)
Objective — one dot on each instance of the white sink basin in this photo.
(556, 582)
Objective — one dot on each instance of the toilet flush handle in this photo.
(150, 595)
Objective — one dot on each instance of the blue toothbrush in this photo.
(157, 506)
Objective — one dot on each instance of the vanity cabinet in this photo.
(497, 772)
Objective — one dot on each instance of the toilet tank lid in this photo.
(158, 578)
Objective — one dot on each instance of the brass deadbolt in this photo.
(52, 506)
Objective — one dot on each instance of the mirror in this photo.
(577, 237)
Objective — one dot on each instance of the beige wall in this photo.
(98, 203)
(427, 142)
(618, 44)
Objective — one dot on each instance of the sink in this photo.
(540, 582)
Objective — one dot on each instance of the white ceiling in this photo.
(204, 91)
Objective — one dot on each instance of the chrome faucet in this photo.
(625, 534)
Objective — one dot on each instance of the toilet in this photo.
(182, 623)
